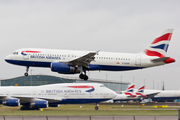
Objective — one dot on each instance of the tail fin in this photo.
(160, 45)
(130, 90)
(141, 91)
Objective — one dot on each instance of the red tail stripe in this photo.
(126, 93)
(139, 94)
(131, 87)
(165, 37)
(141, 88)
(153, 53)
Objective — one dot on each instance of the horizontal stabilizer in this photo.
(160, 59)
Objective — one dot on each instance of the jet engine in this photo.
(63, 68)
(40, 104)
(11, 102)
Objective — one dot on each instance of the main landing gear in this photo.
(97, 106)
(83, 76)
(28, 108)
(27, 69)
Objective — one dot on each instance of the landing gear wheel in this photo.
(96, 108)
(81, 76)
(85, 77)
(27, 69)
(25, 74)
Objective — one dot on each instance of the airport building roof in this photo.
(36, 80)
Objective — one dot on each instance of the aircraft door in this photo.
(68, 57)
(90, 94)
(34, 93)
(138, 60)
(25, 56)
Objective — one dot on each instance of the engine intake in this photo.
(63, 68)
(40, 104)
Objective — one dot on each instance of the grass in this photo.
(88, 110)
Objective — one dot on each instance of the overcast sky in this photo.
(105, 25)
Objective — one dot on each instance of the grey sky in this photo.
(106, 25)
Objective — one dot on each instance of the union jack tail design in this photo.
(141, 91)
(160, 45)
(130, 90)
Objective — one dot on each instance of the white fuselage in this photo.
(67, 93)
(164, 95)
(103, 60)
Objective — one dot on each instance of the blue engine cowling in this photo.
(1, 102)
(40, 104)
(63, 68)
(53, 105)
(11, 102)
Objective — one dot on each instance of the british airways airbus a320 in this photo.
(72, 61)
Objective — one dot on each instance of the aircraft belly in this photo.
(113, 68)
(30, 63)
(78, 101)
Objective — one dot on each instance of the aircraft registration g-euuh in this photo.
(35, 97)
(72, 61)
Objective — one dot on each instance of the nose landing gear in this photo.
(27, 69)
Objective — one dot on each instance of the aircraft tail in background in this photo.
(130, 91)
(140, 91)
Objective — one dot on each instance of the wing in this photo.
(31, 99)
(151, 95)
(84, 60)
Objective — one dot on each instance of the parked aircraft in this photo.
(163, 95)
(126, 95)
(73, 61)
(135, 94)
(35, 97)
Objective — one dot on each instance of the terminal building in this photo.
(36, 80)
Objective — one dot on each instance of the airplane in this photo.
(126, 95)
(74, 61)
(134, 94)
(163, 95)
(35, 97)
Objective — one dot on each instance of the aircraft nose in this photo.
(8, 57)
(113, 94)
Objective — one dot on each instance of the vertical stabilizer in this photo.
(160, 45)
(130, 90)
(140, 91)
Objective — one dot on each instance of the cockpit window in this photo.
(102, 86)
(15, 53)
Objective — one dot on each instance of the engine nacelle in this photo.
(63, 68)
(40, 104)
(1, 102)
(11, 102)
(53, 105)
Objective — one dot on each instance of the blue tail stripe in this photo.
(162, 46)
